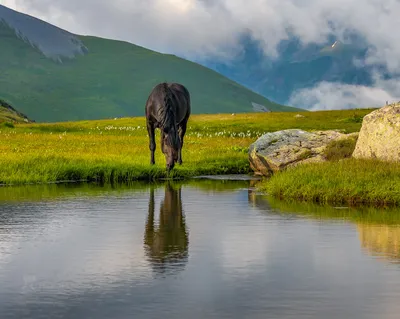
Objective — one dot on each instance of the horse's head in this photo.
(171, 144)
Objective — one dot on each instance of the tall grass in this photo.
(347, 181)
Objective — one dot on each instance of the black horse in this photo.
(168, 108)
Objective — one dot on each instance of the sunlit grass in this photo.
(117, 150)
(348, 181)
(92, 156)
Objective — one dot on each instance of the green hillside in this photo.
(112, 80)
(9, 114)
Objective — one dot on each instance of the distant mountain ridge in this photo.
(53, 75)
(53, 42)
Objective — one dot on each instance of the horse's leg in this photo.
(152, 141)
(182, 132)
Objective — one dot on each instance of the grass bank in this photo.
(348, 181)
(117, 150)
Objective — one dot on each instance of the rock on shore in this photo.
(278, 150)
(379, 136)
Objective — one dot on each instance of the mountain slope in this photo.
(52, 41)
(82, 77)
(9, 114)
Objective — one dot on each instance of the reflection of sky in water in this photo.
(85, 258)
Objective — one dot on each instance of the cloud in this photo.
(183, 27)
(212, 29)
(204, 27)
(335, 96)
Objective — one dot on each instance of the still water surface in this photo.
(209, 249)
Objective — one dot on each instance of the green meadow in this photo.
(116, 150)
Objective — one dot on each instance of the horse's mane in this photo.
(167, 116)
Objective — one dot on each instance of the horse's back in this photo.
(182, 95)
(177, 87)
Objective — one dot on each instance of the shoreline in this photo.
(353, 182)
(219, 177)
(216, 147)
(261, 184)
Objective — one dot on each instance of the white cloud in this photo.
(334, 96)
(331, 96)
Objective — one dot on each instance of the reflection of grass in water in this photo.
(362, 214)
(44, 192)
(380, 240)
(65, 190)
(379, 229)
(217, 185)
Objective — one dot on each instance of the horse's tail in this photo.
(168, 122)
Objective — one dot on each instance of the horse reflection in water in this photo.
(166, 244)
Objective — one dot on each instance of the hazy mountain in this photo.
(52, 41)
(297, 67)
(53, 75)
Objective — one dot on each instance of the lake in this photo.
(199, 249)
